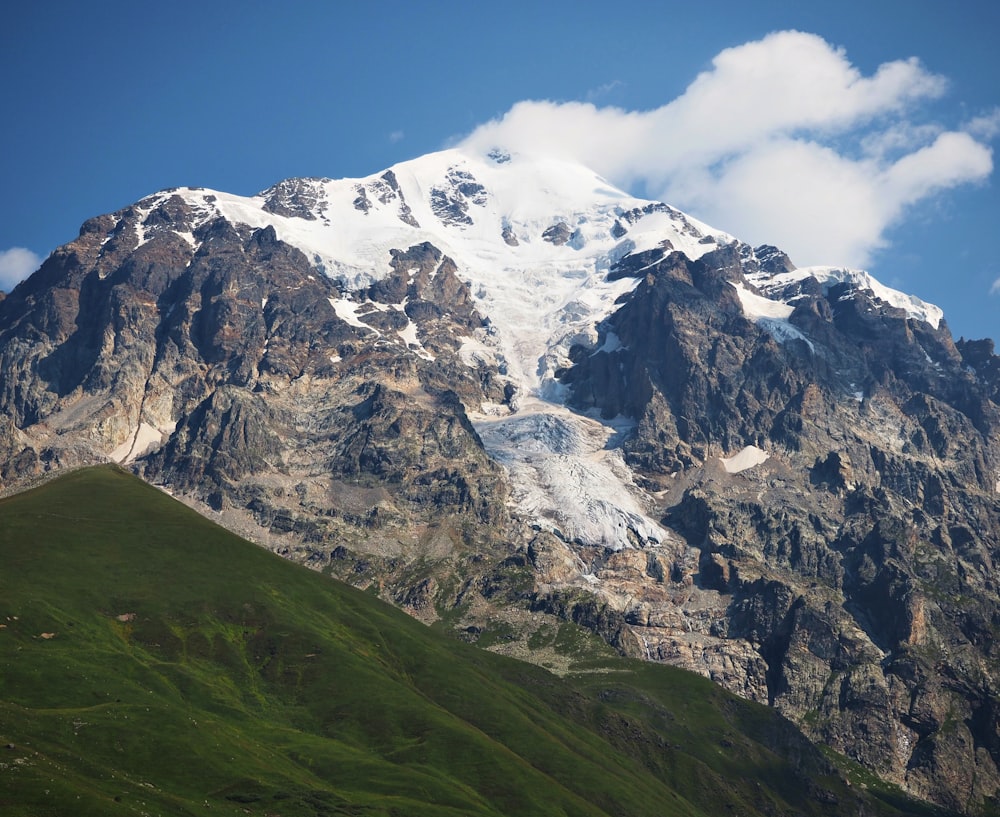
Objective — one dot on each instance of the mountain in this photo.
(155, 663)
(507, 395)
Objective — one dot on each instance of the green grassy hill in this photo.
(153, 663)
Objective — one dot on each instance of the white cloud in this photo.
(16, 264)
(781, 141)
(986, 126)
(603, 90)
(397, 136)
(951, 159)
(897, 139)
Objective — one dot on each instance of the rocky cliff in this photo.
(245, 382)
(834, 488)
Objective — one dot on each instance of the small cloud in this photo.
(995, 289)
(986, 126)
(397, 136)
(897, 139)
(16, 264)
(604, 90)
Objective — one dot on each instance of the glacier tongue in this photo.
(567, 478)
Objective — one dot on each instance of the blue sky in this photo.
(105, 102)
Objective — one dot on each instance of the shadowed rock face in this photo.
(228, 375)
(857, 560)
(829, 490)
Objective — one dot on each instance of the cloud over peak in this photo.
(16, 264)
(781, 141)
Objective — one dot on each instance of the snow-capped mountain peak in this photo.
(534, 238)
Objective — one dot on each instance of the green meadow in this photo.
(152, 663)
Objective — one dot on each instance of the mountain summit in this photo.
(507, 394)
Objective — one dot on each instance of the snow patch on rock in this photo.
(771, 315)
(744, 460)
(145, 439)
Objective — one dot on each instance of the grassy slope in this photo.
(151, 662)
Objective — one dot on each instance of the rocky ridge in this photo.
(848, 569)
(584, 407)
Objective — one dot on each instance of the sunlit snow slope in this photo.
(534, 238)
